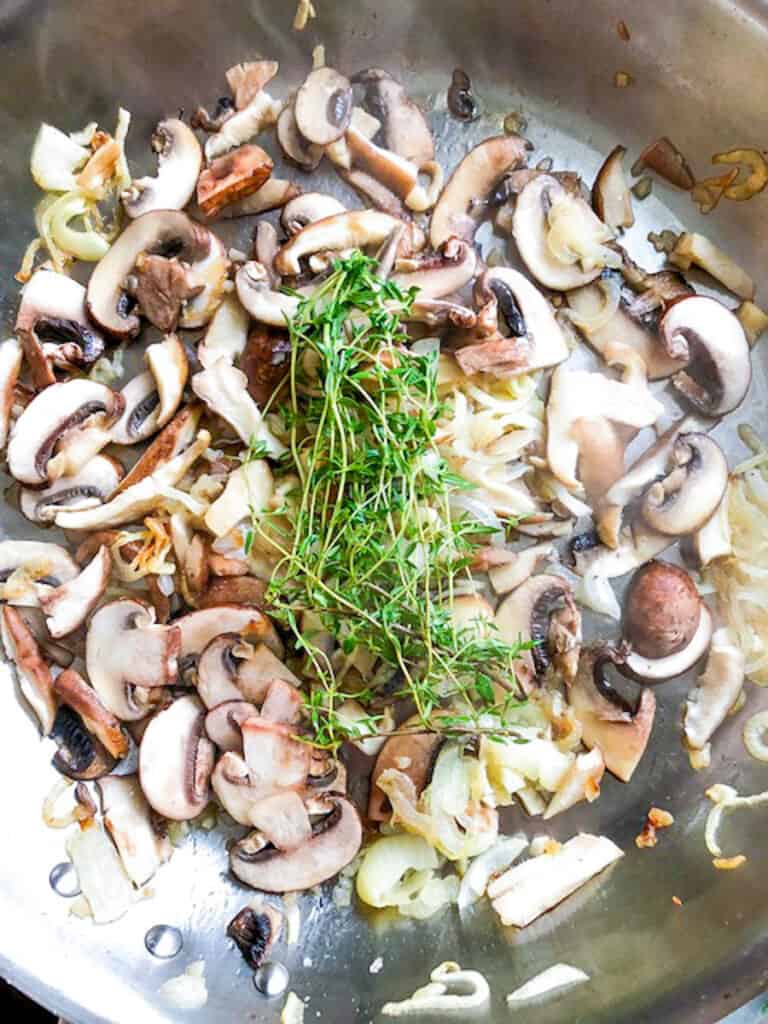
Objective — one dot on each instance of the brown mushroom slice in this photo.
(223, 724)
(396, 174)
(53, 652)
(33, 673)
(73, 691)
(694, 486)
(52, 311)
(223, 388)
(413, 753)
(126, 651)
(176, 761)
(307, 155)
(232, 177)
(200, 627)
(80, 755)
(716, 691)
(456, 212)
(662, 610)
(654, 670)
(67, 606)
(175, 439)
(161, 286)
(155, 233)
(709, 337)
(403, 126)
(336, 839)
(359, 229)
(152, 398)
(607, 720)
(306, 209)
(611, 197)
(128, 819)
(90, 487)
(49, 416)
(29, 569)
(179, 159)
(247, 79)
(441, 274)
(587, 303)
(254, 289)
(542, 611)
(275, 759)
(266, 362)
(323, 106)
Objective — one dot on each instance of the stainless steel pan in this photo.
(698, 69)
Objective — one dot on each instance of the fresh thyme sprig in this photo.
(375, 552)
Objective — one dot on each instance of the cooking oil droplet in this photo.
(163, 941)
(271, 979)
(64, 881)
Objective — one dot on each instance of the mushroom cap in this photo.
(708, 335)
(73, 691)
(662, 610)
(90, 487)
(335, 841)
(176, 760)
(688, 496)
(179, 161)
(403, 124)
(419, 750)
(33, 672)
(323, 106)
(152, 398)
(197, 629)
(306, 209)
(48, 564)
(349, 230)
(611, 197)
(51, 414)
(654, 670)
(305, 154)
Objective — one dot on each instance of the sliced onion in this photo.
(725, 798)
(755, 733)
(85, 245)
(55, 157)
(451, 989)
(488, 864)
(557, 976)
(394, 869)
(595, 592)
(435, 894)
(611, 289)
(480, 512)
(102, 877)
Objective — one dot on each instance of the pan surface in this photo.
(696, 68)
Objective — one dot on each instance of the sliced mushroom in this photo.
(224, 390)
(335, 841)
(126, 651)
(607, 720)
(175, 439)
(226, 335)
(444, 273)
(396, 174)
(275, 192)
(80, 755)
(542, 611)
(275, 758)
(234, 789)
(306, 209)
(261, 112)
(653, 670)
(266, 362)
(53, 310)
(283, 702)
(414, 754)
(29, 569)
(200, 627)
(247, 79)
(90, 487)
(258, 298)
(611, 197)
(662, 610)
(254, 933)
(128, 819)
(710, 338)
(223, 724)
(32, 671)
(459, 207)
(532, 226)
(153, 397)
(690, 493)
(159, 232)
(249, 485)
(282, 820)
(403, 125)
(50, 415)
(179, 159)
(73, 691)
(509, 576)
(712, 541)
(176, 761)
(307, 155)
(55, 653)
(11, 356)
(232, 177)
(716, 691)
(359, 229)
(245, 590)
(323, 106)
(231, 669)
(67, 606)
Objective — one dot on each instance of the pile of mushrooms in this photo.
(142, 641)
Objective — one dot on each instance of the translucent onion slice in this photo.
(102, 877)
(756, 736)
(555, 977)
(483, 868)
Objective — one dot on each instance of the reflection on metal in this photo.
(64, 881)
(164, 941)
(271, 979)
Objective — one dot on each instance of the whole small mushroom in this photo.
(662, 610)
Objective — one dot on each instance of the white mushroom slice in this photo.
(443, 274)
(260, 113)
(250, 486)
(209, 274)
(323, 106)
(611, 197)
(10, 364)
(224, 389)
(128, 820)
(308, 208)
(712, 541)
(710, 338)
(176, 761)
(693, 487)
(231, 669)
(153, 397)
(52, 310)
(275, 192)
(255, 293)
(307, 155)
(179, 159)
(509, 576)
(48, 416)
(92, 486)
(471, 182)
(222, 724)
(544, 206)
(234, 790)
(283, 820)
(124, 650)
(716, 691)
(200, 627)
(575, 394)
(529, 889)
(673, 665)
(69, 605)
(226, 335)
(30, 568)
(78, 447)
(33, 673)
(359, 229)
(139, 498)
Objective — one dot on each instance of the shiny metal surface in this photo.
(697, 69)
